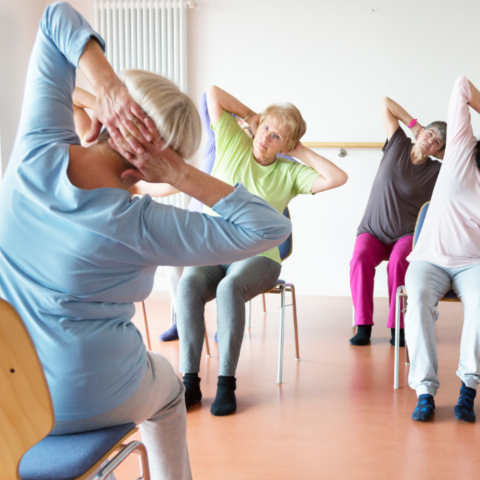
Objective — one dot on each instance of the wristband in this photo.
(412, 123)
(245, 118)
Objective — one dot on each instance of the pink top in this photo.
(450, 236)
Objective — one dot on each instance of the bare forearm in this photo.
(153, 189)
(219, 100)
(83, 99)
(97, 70)
(331, 175)
(397, 111)
(201, 186)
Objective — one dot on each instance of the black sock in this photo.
(364, 332)
(193, 394)
(424, 409)
(225, 402)
(464, 408)
(402, 337)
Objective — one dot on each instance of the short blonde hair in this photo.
(288, 114)
(173, 112)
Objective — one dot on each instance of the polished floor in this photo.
(336, 415)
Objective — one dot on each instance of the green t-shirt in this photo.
(277, 183)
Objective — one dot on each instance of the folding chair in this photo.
(27, 417)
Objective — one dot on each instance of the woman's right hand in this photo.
(113, 106)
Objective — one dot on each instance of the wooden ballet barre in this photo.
(344, 144)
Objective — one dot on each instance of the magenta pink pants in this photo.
(367, 255)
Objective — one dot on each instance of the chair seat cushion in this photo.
(277, 284)
(66, 457)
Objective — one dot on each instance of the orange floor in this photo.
(336, 416)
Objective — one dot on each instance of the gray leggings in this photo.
(233, 285)
(426, 285)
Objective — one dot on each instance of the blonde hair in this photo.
(289, 115)
(173, 112)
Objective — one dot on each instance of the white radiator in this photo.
(146, 34)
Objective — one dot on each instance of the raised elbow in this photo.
(342, 180)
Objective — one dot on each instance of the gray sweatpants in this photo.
(426, 284)
(233, 285)
(159, 407)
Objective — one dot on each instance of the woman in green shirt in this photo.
(254, 163)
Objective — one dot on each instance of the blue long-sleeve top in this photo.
(73, 261)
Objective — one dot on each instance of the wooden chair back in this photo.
(26, 409)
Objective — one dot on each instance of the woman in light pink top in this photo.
(447, 257)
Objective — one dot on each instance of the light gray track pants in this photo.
(159, 407)
(233, 285)
(426, 284)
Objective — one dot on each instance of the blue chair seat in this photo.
(277, 283)
(67, 457)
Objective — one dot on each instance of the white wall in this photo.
(335, 60)
(19, 21)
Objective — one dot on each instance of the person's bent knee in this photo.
(230, 287)
(191, 282)
(363, 257)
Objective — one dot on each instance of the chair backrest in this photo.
(26, 409)
(420, 221)
(287, 246)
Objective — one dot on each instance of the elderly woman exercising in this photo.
(76, 250)
(277, 180)
(447, 256)
(404, 182)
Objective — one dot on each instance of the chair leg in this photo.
(144, 463)
(407, 355)
(134, 446)
(295, 324)
(147, 332)
(207, 346)
(398, 302)
(264, 304)
(249, 314)
(282, 332)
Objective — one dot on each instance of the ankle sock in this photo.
(193, 394)
(424, 409)
(402, 337)
(225, 402)
(170, 334)
(364, 332)
(464, 408)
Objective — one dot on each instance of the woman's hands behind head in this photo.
(157, 163)
(113, 106)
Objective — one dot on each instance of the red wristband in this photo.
(412, 123)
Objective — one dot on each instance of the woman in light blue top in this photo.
(76, 251)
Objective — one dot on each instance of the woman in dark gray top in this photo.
(404, 182)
